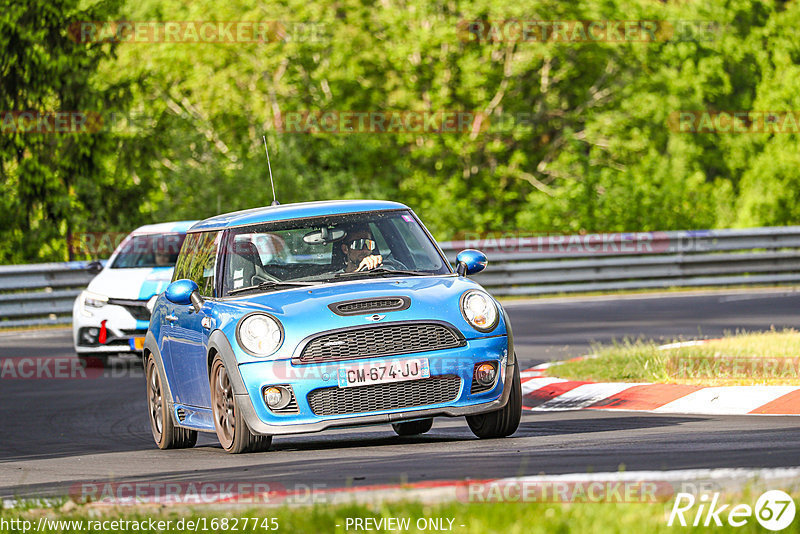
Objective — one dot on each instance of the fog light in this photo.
(277, 397)
(274, 397)
(485, 374)
(88, 336)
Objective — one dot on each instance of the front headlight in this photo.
(94, 300)
(259, 334)
(479, 310)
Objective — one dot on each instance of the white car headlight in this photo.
(479, 310)
(94, 300)
(259, 334)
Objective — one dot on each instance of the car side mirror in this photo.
(184, 292)
(94, 267)
(470, 261)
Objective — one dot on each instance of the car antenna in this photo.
(274, 200)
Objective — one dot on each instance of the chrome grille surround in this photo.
(376, 341)
(137, 308)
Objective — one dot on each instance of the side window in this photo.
(185, 257)
(197, 261)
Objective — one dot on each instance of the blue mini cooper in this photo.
(301, 317)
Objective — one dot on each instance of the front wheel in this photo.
(165, 433)
(232, 431)
(502, 422)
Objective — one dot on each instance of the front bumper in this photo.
(122, 328)
(309, 377)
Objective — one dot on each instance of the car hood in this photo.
(304, 312)
(139, 284)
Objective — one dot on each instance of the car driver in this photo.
(357, 247)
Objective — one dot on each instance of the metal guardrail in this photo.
(40, 293)
(44, 293)
(642, 260)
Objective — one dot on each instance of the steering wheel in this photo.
(391, 263)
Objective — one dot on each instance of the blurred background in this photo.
(578, 137)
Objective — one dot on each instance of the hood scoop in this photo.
(370, 305)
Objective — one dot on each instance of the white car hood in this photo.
(136, 283)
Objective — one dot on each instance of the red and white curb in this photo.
(544, 393)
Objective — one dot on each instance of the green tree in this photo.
(578, 136)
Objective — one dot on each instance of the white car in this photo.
(112, 314)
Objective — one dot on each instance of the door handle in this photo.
(171, 318)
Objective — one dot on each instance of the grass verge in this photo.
(477, 518)
(766, 358)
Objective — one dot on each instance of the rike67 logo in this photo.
(774, 510)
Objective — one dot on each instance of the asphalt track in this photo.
(57, 434)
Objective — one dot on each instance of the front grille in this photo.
(87, 339)
(391, 396)
(134, 331)
(137, 308)
(367, 306)
(372, 341)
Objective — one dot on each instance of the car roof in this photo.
(174, 227)
(298, 210)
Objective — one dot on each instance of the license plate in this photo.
(381, 372)
(137, 343)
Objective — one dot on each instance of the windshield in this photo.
(274, 255)
(148, 250)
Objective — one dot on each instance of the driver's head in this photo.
(161, 251)
(162, 258)
(358, 243)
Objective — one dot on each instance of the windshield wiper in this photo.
(271, 285)
(381, 270)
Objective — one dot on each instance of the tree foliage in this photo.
(578, 136)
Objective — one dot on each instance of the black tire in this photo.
(503, 422)
(165, 433)
(232, 430)
(412, 428)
